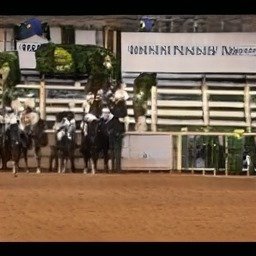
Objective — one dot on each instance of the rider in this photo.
(71, 125)
(28, 118)
(118, 105)
(67, 125)
(9, 118)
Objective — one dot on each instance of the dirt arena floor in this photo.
(127, 207)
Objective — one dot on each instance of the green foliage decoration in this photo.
(11, 59)
(142, 92)
(76, 60)
(63, 60)
(9, 64)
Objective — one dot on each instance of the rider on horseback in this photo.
(66, 126)
(10, 118)
(28, 118)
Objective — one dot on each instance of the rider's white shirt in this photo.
(65, 123)
(11, 118)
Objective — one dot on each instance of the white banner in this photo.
(26, 49)
(188, 52)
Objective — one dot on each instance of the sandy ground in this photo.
(127, 207)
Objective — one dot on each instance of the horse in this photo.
(39, 139)
(106, 133)
(34, 129)
(90, 142)
(117, 126)
(4, 148)
(16, 146)
(93, 140)
(64, 149)
(115, 130)
(12, 142)
(102, 136)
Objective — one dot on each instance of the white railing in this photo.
(182, 99)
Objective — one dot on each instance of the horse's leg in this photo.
(85, 164)
(93, 165)
(59, 163)
(51, 159)
(15, 157)
(117, 152)
(38, 159)
(25, 154)
(106, 158)
(4, 162)
(15, 160)
(5, 158)
(73, 169)
(72, 162)
(93, 160)
(64, 164)
(15, 168)
(112, 155)
(56, 161)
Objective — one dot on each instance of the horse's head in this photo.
(38, 133)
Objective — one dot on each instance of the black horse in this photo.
(102, 138)
(90, 144)
(34, 132)
(5, 151)
(16, 146)
(64, 149)
(106, 134)
(115, 130)
(39, 139)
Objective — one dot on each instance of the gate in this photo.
(230, 153)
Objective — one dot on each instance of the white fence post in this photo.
(179, 152)
(205, 102)
(154, 108)
(247, 109)
(42, 106)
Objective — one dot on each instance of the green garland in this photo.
(45, 58)
(142, 92)
(76, 60)
(10, 60)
